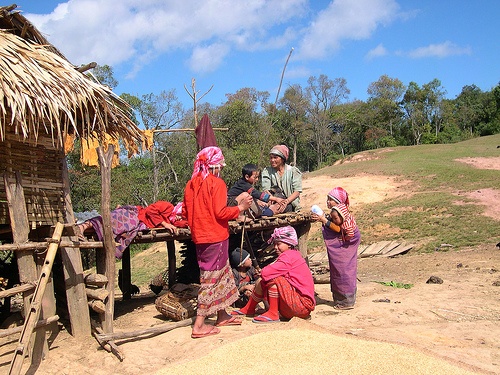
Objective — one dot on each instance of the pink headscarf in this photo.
(339, 195)
(207, 158)
(281, 151)
(285, 234)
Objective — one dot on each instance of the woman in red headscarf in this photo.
(204, 206)
(288, 178)
(342, 238)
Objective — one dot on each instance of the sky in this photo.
(161, 45)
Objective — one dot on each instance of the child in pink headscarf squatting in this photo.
(287, 283)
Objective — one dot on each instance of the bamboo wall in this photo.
(41, 166)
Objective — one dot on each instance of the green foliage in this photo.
(395, 284)
(104, 75)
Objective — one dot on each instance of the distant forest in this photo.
(318, 123)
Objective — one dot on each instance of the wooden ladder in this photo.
(35, 306)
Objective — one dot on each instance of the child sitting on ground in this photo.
(244, 273)
(287, 283)
(245, 185)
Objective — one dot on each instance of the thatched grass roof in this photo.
(41, 91)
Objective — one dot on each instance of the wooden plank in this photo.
(361, 249)
(369, 251)
(390, 246)
(379, 247)
(401, 249)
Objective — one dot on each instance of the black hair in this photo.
(248, 170)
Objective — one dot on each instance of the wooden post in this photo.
(126, 276)
(20, 230)
(73, 271)
(172, 263)
(303, 234)
(105, 161)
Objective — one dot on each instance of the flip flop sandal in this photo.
(232, 321)
(262, 319)
(240, 313)
(212, 332)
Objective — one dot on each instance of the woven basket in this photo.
(179, 302)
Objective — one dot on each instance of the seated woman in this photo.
(284, 176)
(127, 221)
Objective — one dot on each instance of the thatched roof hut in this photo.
(44, 102)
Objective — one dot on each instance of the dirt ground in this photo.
(454, 322)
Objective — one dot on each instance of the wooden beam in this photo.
(40, 323)
(183, 130)
(105, 162)
(73, 270)
(148, 331)
(17, 289)
(110, 346)
(43, 245)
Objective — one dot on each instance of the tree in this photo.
(323, 93)
(104, 75)
(158, 113)
(295, 123)
(422, 107)
(384, 98)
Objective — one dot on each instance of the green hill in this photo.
(436, 207)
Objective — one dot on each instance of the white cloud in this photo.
(345, 19)
(298, 72)
(112, 32)
(207, 59)
(439, 50)
(378, 51)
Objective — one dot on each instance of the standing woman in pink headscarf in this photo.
(205, 208)
(342, 238)
(288, 178)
